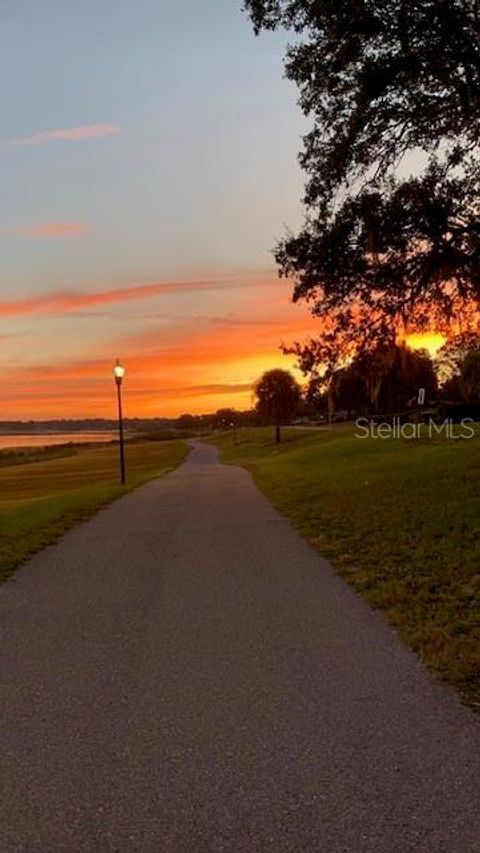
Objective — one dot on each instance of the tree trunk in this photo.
(278, 437)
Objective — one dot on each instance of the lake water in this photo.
(39, 440)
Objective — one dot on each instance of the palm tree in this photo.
(278, 396)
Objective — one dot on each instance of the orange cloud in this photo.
(51, 229)
(71, 134)
(194, 362)
(188, 367)
(64, 302)
(218, 344)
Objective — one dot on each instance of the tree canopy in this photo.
(392, 88)
(379, 78)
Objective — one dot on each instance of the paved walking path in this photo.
(184, 674)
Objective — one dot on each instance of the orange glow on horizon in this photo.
(188, 346)
(176, 362)
(88, 391)
(430, 341)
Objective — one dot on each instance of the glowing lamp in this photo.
(119, 372)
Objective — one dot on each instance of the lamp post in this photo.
(119, 373)
(234, 428)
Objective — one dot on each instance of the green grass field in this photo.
(43, 497)
(399, 519)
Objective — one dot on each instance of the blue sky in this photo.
(202, 174)
(184, 167)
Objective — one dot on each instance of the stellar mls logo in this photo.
(408, 430)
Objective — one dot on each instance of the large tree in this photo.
(385, 380)
(392, 87)
(278, 397)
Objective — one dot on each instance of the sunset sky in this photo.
(149, 165)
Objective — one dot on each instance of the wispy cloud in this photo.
(65, 302)
(50, 229)
(195, 362)
(70, 134)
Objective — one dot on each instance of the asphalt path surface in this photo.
(184, 674)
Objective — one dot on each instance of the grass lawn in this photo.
(399, 519)
(43, 497)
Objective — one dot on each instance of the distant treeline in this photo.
(83, 425)
(221, 419)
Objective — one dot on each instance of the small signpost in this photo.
(421, 403)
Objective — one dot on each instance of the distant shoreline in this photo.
(9, 433)
(36, 440)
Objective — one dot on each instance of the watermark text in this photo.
(462, 431)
